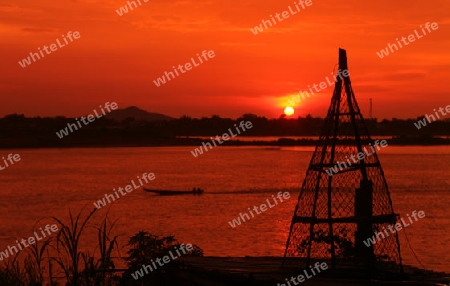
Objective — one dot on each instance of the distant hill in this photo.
(137, 114)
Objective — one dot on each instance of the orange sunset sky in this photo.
(118, 57)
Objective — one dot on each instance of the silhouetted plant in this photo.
(82, 268)
(100, 272)
(13, 274)
(32, 271)
(344, 247)
(36, 259)
(143, 248)
(67, 242)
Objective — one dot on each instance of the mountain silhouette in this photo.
(136, 113)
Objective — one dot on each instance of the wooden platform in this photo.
(205, 271)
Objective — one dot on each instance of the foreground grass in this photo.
(72, 266)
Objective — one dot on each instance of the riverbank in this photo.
(205, 271)
(87, 140)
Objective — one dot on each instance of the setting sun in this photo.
(289, 111)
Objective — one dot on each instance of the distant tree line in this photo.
(20, 131)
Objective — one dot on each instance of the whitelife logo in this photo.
(124, 9)
(411, 38)
(360, 156)
(398, 226)
(284, 14)
(31, 240)
(262, 208)
(10, 158)
(323, 85)
(162, 80)
(90, 118)
(225, 137)
(302, 278)
(26, 62)
(128, 189)
(423, 122)
(166, 259)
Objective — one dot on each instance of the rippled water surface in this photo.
(48, 182)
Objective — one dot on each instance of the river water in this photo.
(48, 182)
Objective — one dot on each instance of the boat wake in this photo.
(256, 191)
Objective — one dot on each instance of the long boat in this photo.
(194, 191)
